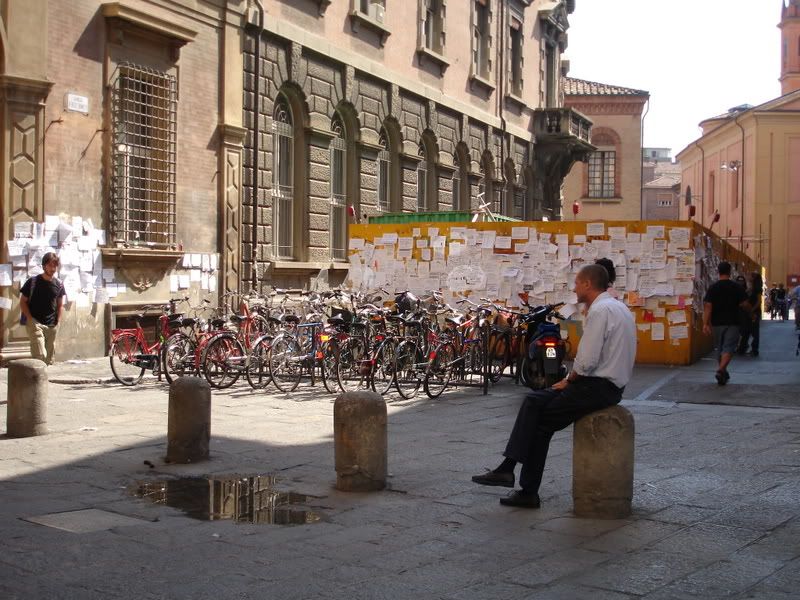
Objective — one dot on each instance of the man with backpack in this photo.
(41, 302)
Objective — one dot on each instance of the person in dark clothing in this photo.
(721, 317)
(745, 321)
(754, 299)
(609, 267)
(602, 368)
(41, 301)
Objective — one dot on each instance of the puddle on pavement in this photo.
(243, 499)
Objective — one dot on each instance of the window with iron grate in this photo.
(143, 126)
(338, 200)
(283, 181)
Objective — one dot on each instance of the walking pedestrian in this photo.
(41, 302)
(794, 299)
(602, 368)
(721, 317)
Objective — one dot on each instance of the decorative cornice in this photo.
(117, 10)
(24, 88)
(607, 108)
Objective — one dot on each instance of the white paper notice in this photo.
(519, 233)
(595, 229)
(676, 316)
(680, 332)
(173, 283)
(657, 332)
(197, 260)
(5, 275)
(108, 275)
(101, 296)
(356, 243)
(212, 283)
(195, 275)
(5, 303)
(183, 281)
(655, 231)
(502, 242)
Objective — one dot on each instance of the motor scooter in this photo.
(543, 363)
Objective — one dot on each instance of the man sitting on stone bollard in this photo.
(603, 366)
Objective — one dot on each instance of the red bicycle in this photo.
(131, 355)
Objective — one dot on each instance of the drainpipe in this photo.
(741, 204)
(500, 100)
(641, 157)
(256, 138)
(702, 181)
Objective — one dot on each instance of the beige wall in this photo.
(605, 112)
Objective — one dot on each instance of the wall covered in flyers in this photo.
(663, 269)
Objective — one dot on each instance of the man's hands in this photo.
(706, 328)
(560, 385)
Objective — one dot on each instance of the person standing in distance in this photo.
(41, 301)
(602, 369)
(721, 307)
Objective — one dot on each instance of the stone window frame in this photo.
(516, 68)
(372, 15)
(433, 53)
(422, 180)
(481, 74)
(282, 192)
(338, 199)
(391, 142)
(602, 167)
(486, 183)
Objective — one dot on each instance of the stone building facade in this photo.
(355, 108)
(609, 184)
(252, 133)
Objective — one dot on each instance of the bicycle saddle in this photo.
(291, 319)
(336, 321)
(457, 320)
(217, 323)
(238, 318)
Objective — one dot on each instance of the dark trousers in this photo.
(546, 411)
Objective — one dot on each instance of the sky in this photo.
(697, 58)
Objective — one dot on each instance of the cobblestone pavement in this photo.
(716, 497)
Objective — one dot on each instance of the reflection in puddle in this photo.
(243, 499)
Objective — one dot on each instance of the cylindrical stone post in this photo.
(602, 464)
(360, 441)
(27, 398)
(189, 420)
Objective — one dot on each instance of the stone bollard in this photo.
(360, 441)
(27, 398)
(189, 420)
(602, 464)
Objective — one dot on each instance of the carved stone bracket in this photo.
(141, 268)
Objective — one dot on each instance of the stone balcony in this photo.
(562, 125)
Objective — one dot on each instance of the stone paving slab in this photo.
(716, 510)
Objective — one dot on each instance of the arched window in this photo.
(461, 193)
(422, 181)
(283, 180)
(603, 171)
(338, 199)
(384, 173)
(486, 188)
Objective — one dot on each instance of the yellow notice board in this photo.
(663, 269)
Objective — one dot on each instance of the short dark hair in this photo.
(596, 275)
(50, 257)
(724, 268)
(609, 266)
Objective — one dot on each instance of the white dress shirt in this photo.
(608, 346)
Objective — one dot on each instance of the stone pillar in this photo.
(602, 464)
(27, 398)
(360, 441)
(189, 420)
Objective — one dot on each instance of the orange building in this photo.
(609, 184)
(742, 175)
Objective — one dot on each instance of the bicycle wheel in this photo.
(177, 358)
(257, 370)
(352, 368)
(125, 356)
(409, 369)
(473, 368)
(327, 365)
(440, 370)
(285, 363)
(499, 352)
(382, 377)
(223, 361)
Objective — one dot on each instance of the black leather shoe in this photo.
(495, 479)
(521, 499)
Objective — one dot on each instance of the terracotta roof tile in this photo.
(580, 87)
